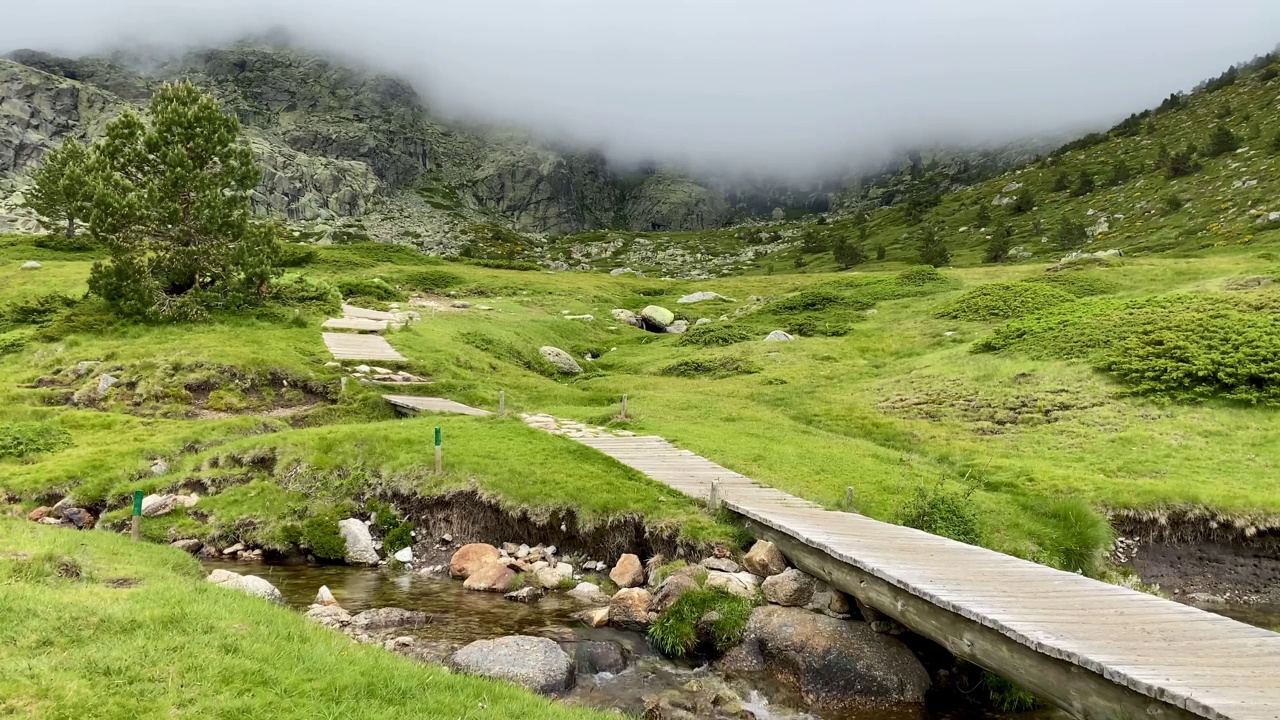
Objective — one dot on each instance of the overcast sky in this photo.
(766, 85)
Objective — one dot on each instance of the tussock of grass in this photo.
(711, 368)
(1001, 301)
(942, 509)
(20, 440)
(174, 644)
(675, 633)
(715, 335)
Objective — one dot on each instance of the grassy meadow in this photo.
(883, 392)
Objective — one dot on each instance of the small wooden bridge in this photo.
(1094, 649)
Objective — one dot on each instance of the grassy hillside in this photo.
(102, 627)
(916, 388)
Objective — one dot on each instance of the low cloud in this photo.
(795, 87)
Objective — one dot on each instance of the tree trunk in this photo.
(71, 227)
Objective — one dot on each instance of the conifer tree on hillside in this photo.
(172, 207)
(933, 251)
(1061, 182)
(1221, 141)
(1084, 184)
(61, 192)
(999, 245)
(1120, 173)
(1070, 235)
(1023, 202)
(848, 254)
(983, 217)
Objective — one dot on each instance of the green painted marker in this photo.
(137, 502)
(437, 437)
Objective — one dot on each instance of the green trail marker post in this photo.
(502, 403)
(439, 453)
(135, 531)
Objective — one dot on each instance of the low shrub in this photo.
(1079, 284)
(710, 368)
(386, 253)
(375, 288)
(1001, 301)
(714, 335)
(295, 290)
(321, 537)
(500, 264)
(294, 255)
(430, 281)
(1181, 347)
(943, 510)
(400, 537)
(816, 299)
(14, 340)
(920, 275)
(59, 242)
(36, 310)
(19, 440)
(675, 633)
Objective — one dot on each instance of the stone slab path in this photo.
(416, 403)
(355, 346)
(1204, 663)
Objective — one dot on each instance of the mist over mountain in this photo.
(795, 90)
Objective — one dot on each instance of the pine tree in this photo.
(933, 251)
(999, 245)
(172, 207)
(848, 254)
(1070, 235)
(983, 217)
(1221, 141)
(1120, 173)
(1061, 182)
(61, 192)
(1084, 184)
(1023, 202)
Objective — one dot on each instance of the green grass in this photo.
(100, 627)
(675, 633)
(896, 403)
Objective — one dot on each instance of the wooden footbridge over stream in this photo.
(1093, 649)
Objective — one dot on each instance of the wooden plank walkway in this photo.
(416, 403)
(1205, 664)
(351, 311)
(356, 323)
(354, 346)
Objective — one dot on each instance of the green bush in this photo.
(1007, 697)
(920, 275)
(500, 264)
(320, 535)
(20, 440)
(14, 340)
(675, 633)
(1001, 301)
(59, 242)
(400, 537)
(36, 310)
(721, 367)
(1080, 284)
(714, 335)
(943, 510)
(294, 255)
(1080, 536)
(430, 281)
(385, 253)
(295, 290)
(375, 288)
(1181, 347)
(815, 299)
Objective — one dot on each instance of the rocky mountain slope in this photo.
(340, 145)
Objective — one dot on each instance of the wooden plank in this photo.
(417, 403)
(351, 311)
(355, 323)
(350, 346)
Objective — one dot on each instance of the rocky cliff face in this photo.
(338, 143)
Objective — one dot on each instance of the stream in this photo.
(465, 616)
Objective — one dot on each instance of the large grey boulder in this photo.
(31, 265)
(779, 336)
(562, 360)
(764, 559)
(155, 505)
(388, 618)
(360, 548)
(742, 584)
(701, 297)
(251, 584)
(532, 662)
(833, 664)
(657, 318)
(791, 587)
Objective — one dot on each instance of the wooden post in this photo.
(135, 531)
(624, 408)
(848, 498)
(502, 403)
(439, 453)
(713, 501)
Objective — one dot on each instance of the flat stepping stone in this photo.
(356, 323)
(351, 346)
(416, 403)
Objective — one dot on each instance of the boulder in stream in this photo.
(360, 548)
(538, 664)
(833, 664)
(629, 609)
(628, 572)
(251, 584)
(496, 576)
(470, 558)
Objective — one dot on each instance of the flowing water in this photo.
(462, 616)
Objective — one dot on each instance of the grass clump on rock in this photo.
(1002, 301)
(681, 629)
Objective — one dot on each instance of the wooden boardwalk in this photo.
(356, 346)
(416, 403)
(356, 323)
(1199, 663)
